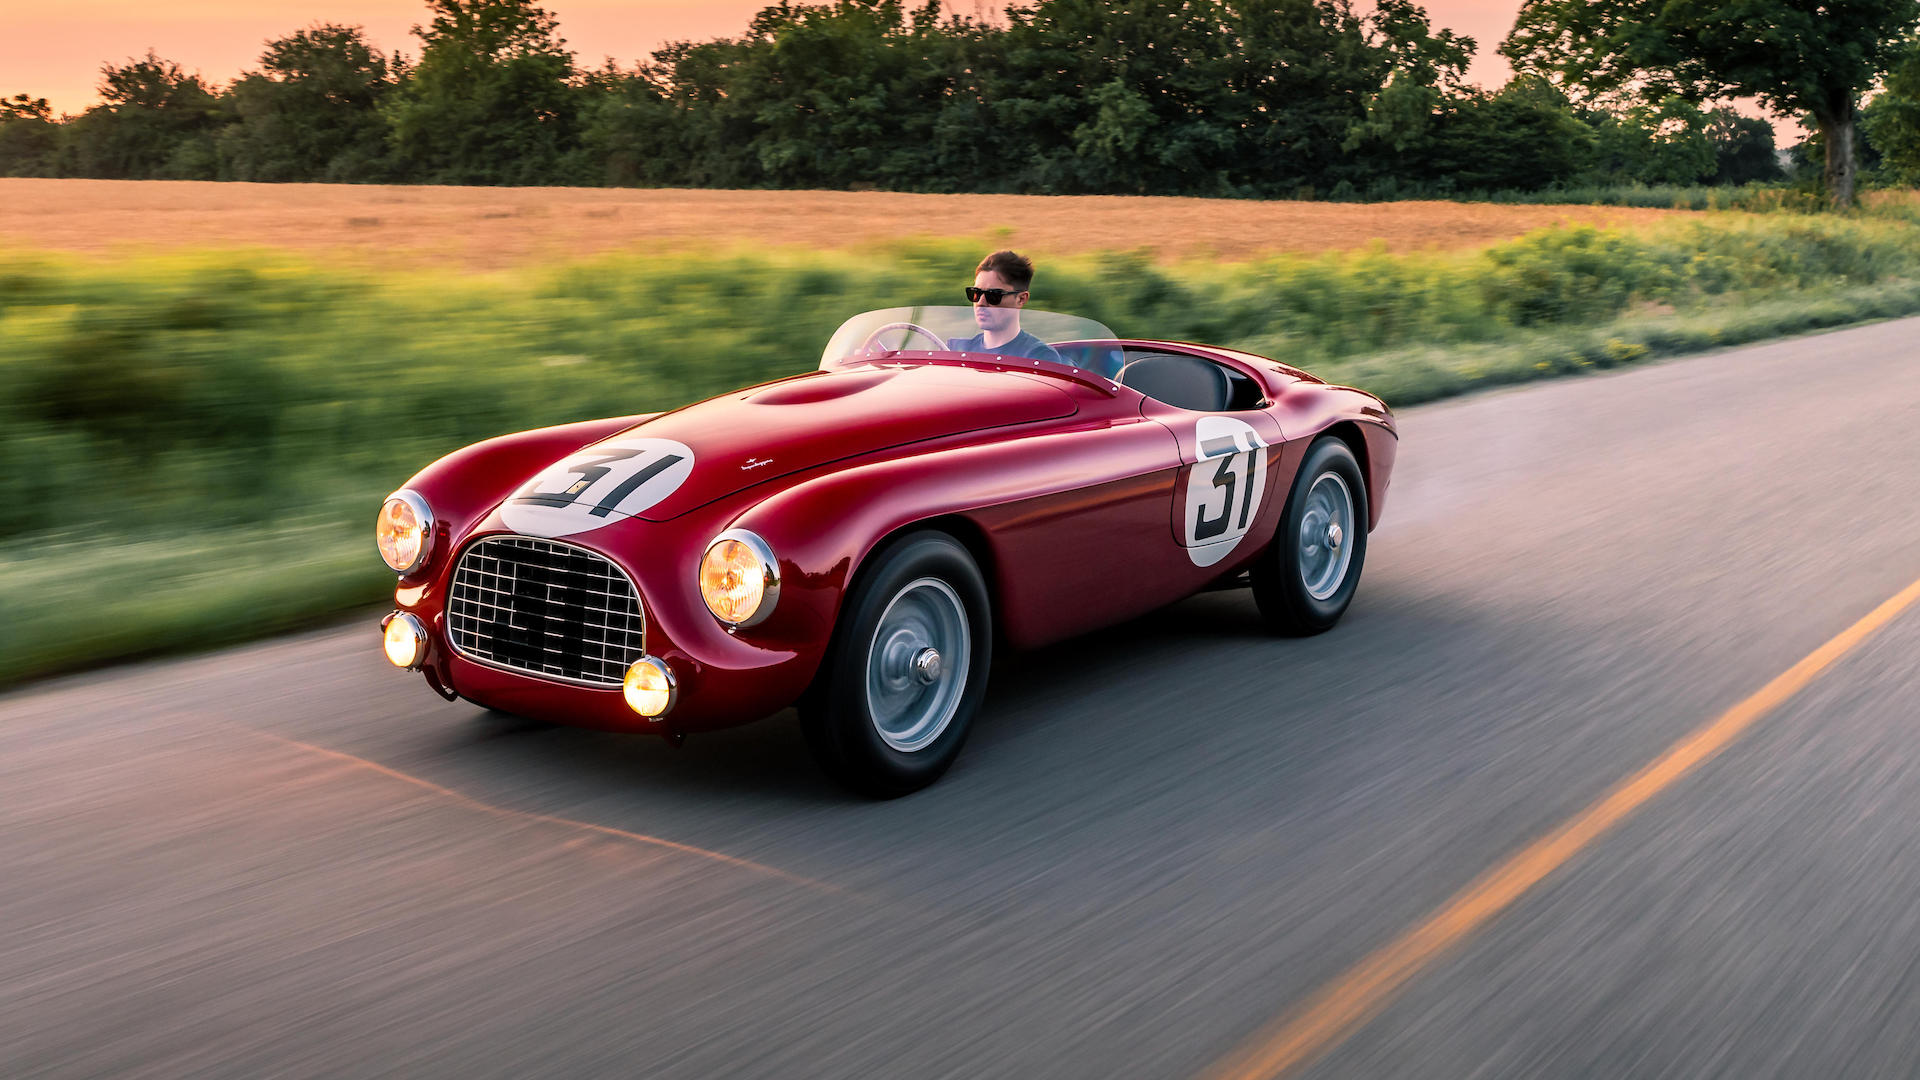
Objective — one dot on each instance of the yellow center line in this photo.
(546, 819)
(1301, 1036)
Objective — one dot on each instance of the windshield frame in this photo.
(947, 323)
(1056, 329)
(989, 362)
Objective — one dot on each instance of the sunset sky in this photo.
(54, 50)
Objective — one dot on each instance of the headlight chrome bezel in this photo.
(415, 632)
(770, 580)
(421, 513)
(671, 691)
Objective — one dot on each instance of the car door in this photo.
(1078, 525)
(1222, 495)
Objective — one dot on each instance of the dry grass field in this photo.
(486, 228)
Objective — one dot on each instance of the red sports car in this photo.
(860, 539)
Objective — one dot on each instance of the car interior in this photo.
(1188, 382)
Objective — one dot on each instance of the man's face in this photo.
(1007, 315)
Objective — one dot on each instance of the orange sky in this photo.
(54, 49)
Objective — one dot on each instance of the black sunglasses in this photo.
(994, 296)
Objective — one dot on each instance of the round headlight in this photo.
(404, 532)
(649, 687)
(739, 578)
(406, 640)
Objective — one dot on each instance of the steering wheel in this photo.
(871, 347)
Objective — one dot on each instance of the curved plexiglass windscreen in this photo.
(1015, 332)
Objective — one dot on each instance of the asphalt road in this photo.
(292, 860)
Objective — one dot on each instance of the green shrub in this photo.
(1759, 198)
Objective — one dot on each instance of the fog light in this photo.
(406, 640)
(649, 687)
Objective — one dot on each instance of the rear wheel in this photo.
(907, 670)
(1305, 581)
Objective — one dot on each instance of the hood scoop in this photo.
(820, 386)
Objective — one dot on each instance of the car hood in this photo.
(768, 431)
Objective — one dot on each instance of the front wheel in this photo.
(1304, 583)
(907, 670)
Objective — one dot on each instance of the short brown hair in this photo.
(1015, 269)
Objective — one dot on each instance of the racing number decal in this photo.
(1228, 477)
(587, 490)
(590, 469)
(1223, 488)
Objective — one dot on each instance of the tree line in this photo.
(1266, 98)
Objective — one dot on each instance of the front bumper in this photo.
(722, 678)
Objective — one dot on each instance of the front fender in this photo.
(464, 486)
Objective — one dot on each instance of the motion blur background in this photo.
(248, 287)
(207, 387)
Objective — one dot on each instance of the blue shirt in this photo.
(1023, 345)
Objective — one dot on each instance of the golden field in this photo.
(490, 228)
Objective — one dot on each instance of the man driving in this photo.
(999, 291)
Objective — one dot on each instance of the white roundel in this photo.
(1223, 488)
(598, 486)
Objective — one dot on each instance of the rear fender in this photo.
(1306, 411)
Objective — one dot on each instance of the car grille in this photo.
(546, 608)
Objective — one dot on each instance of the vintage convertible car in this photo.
(859, 540)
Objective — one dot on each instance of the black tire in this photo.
(839, 717)
(1281, 585)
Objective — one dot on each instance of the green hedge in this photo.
(172, 427)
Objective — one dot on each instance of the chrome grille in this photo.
(545, 608)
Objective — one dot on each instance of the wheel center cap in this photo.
(927, 665)
(1334, 535)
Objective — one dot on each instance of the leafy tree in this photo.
(22, 107)
(1209, 97)
(1405, 126)
(29, 138)
(630, 128)
(156, 122)
(849, 93)
(1122, 96)
(312, 110)
(1892, 120)
(1743, 150)
(1664, 143)
(1524, 137)
(1812, 57)
(491, 101)
(1302, 77)
(845, 93)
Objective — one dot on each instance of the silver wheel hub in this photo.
(926, 666)
(917, 664)
(1324, 527)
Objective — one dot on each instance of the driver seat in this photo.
(1185, 382)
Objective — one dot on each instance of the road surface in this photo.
(1162, 841)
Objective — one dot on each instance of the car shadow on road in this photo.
(769, 758)
(1177, 673)
(1189, 734)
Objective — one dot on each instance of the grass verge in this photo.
(74, 604)
(1431, 373)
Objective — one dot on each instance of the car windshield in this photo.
(966, 330)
